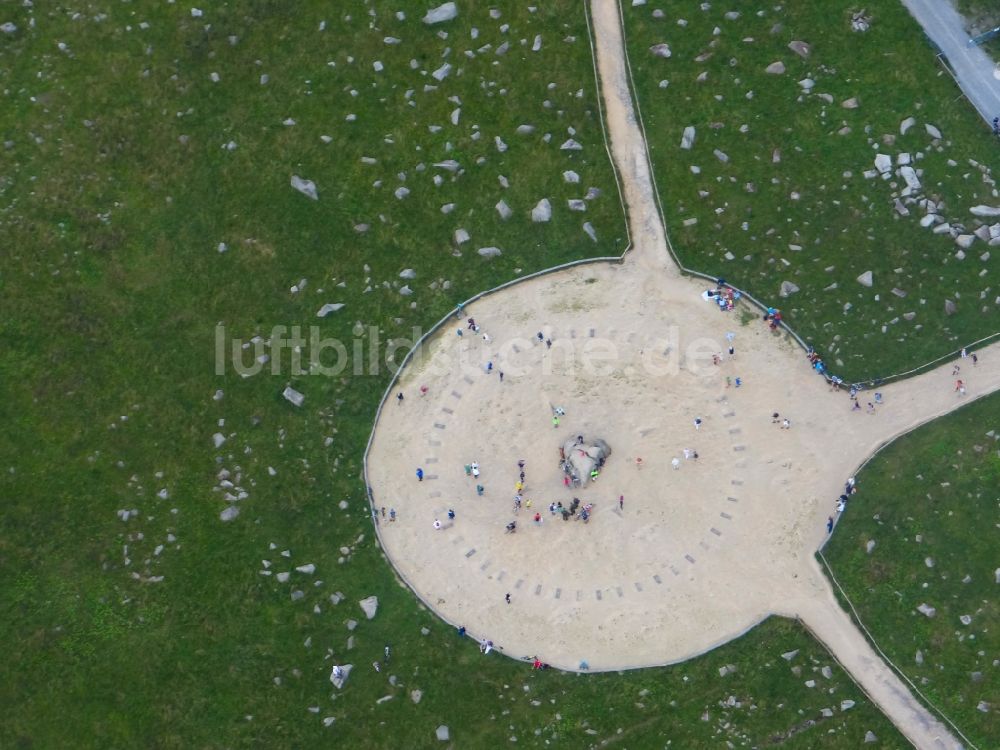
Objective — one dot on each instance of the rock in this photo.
(846, 704)
(542, 211)
(308, 568)
(932, 131)
(589, 229)
(293, 396)
(789, 655)
(965, 619)
(851, 103)
(442, 733)
(883, 163)
(218, 439)
(787, 288)
(775, 68)
(352, 624)
(283, 576)
(870, 546)
(229, 513)
(996, 575)
(807, 84)
(339, 675)
(950, 308)
(571, 177)
(416, 695)
(442, 13)
(898, 292)
(405, 290)
(8, 27)
(370, 606)
(926, 609)
(661, 50)
(461, 236)
(571, 145)
(575, 204)
(441, 73)
(525, 129)
(489, 252)
(449, 164)
(827, 673)
(721, 156)
(919, 658)
(929, 219)
(407, 273)
(909, 315)
(983, 706)
(965, 241)
(306, 187)
(810, 683)
(802, 49)
(298, 595)
(687, 139)
(910, 175)
(985, 210)
(504, 210)
(906, 124)
(329, 307)
(865, 279)
(870, 737)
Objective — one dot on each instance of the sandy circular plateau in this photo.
(678, 569)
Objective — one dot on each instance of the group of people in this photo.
(723, 295)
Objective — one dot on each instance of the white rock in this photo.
(571, 177)
(542, 211)
(442, 13)
(8, 27)
(229, 513)
(787, 288)
(929, 219)
(589, 229)
(218, 439)
(571, 145)
(442, 733)
(306, 187)
(985, 210)
(537, 44)
(932, 131)
(721, 155)
(461, 236)
(687, 138)
(416, 695)
(339, 675)
(489, 252)
(910, 175)
(661, 50)
(575, 204)
(906, 124)
(926, 609)
(405, 290)
(407, 273)
(965, 241)
(504, 210)
(870, 546)
(441, 73)
(293, 396)
(883, 163)
(846, 704)
(851, 103)
(865, 279)
(775, 68)
(329, 307)
(455, 115)
(308, 568)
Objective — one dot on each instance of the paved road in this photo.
(978, 75)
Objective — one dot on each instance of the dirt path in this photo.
(700, 549)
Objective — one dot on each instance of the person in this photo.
(697, 423)
(420, 474)
(501, 376)
(480, 490)
(829, 525)
(472, 324)
(536, 664)
(552, 509)
(383, 511)
(621, 502)
(511, 527)
(856, 407)
(489, 367)
(540, 336)
(785, 424)
(451, 514)
(555, 421)
(593, 475)
(507, 598)
(461, 631)
(520, 464)
(775, 418)
(739, 382)
(437, 524)
(423, 390)
(841, 503)
(486, 338)
(399, 398)
(459, 310)
(475, 468)
(548, 343)
(960, 387)
(468, 470)
(518, 486)
(387, 651)
(376, 666)
(392, 515)
(538, 518)
(871, 408)
(675, 462)
(878, 397)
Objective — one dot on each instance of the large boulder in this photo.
(580, 459)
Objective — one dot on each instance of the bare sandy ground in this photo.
(697, 554)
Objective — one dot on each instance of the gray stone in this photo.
(542, 211)
(985, 210)
(442, 733)
(306, 187)
(229, 513)
(787, 288)
(802, 49)
(370, 606)
(218, 439)
(687, 138)
(870, 546)
(909, 174)
(661, 50)
(775, 68)
(441, 73)
(407, 273)
(339, 675)
(883, 163)
(932, 131)
(293, 396)
(298, 595)
(461, 236)
(504, 210)
(571, 177)
(416, 695)
(846, 704)
(721, 155)
(329, 307)
(442, 13)
(589, 229)
(789, 655)
(906, 124)
(405, 290)
(965, 241)
(865, 279)
(965, 619)
(807, 84)
(827, 673)
(489, 252)
(983, 706)
(571, 145)
(929, 219)
(950, 308)
(352, 624)
(525, 129)
(851, 103)
(8, 27)
(926, 609)
(919, 657)
(449, 164)
(575, 204)
(996, 575)
(308, 568)
(870, 737)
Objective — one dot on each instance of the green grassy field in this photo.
(930, 504)
(780, 193)
(138, 140)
